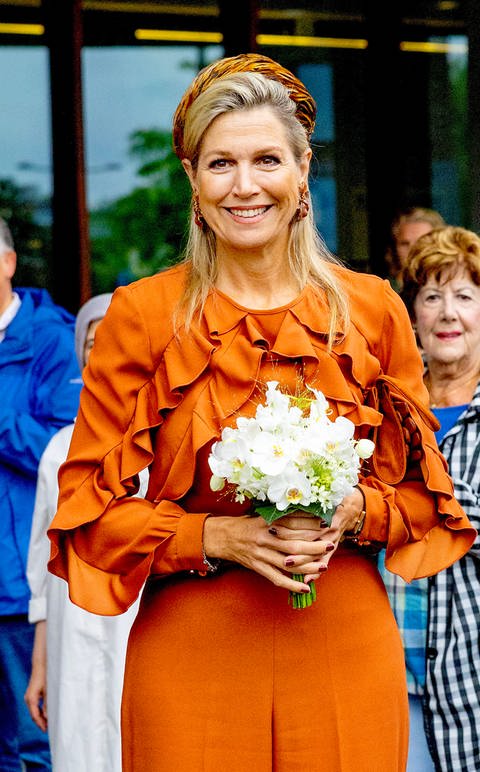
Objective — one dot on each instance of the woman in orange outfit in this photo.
(221, 671)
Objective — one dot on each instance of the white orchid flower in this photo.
(271, 453)
(290, 489)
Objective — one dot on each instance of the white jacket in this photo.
(85, 652)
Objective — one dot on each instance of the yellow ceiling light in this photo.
(178, 36)
(22, 29)
(434, 48)
(310, 41)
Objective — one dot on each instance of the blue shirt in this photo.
(447, 417)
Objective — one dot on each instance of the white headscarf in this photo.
(91, 311)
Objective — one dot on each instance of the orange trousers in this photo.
(222, 675)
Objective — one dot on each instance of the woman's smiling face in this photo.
(248, 181)
(447, 317)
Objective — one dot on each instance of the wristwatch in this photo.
(352, 535)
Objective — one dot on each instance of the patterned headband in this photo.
(306, 108)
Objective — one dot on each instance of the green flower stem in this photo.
(300, 599)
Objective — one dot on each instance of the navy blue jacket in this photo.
(39, 390)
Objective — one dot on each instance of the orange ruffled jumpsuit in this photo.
(221, 671)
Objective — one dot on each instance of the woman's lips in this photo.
(248, 212)
(448, 335)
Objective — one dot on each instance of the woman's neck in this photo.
(450, 385)
(257, 283)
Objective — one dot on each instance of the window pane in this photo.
(318, 78)
(138, 193)
(448, 129)
(25, 159)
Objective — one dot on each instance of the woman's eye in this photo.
(269, 160)
(219, 163)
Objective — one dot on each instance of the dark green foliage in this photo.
(24, 210)
(142, 232)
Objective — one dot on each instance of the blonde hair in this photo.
(440, 253)
(309, 259)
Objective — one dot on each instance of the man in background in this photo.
(407, 226)
(39, 390)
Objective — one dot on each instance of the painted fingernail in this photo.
(273, 531)
(322, 568)
(329, 547)
(289, 562)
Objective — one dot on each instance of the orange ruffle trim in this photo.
(193, 384)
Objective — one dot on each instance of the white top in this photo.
(85, 652)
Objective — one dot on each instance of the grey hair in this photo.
(417, 214)
(92, 310)
(6, 238)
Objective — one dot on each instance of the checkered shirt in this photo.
(452, 689)
(410, 606)
(450, 676)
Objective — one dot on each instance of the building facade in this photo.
(87, 176)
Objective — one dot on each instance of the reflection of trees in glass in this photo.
(142, 232)
(459, 86)
(28, 216)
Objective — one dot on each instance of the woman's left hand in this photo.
(344, 519)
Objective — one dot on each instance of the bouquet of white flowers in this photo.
(291, 456)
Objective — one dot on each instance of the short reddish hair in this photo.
(442, 252)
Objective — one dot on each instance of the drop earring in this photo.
(303, 205)
(197, 212)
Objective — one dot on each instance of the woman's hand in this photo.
(293, 544)
(250, 542)
(296, 544)
(36, 694)
(344, 519)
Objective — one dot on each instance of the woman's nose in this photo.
(245, 183)
(449, 309)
